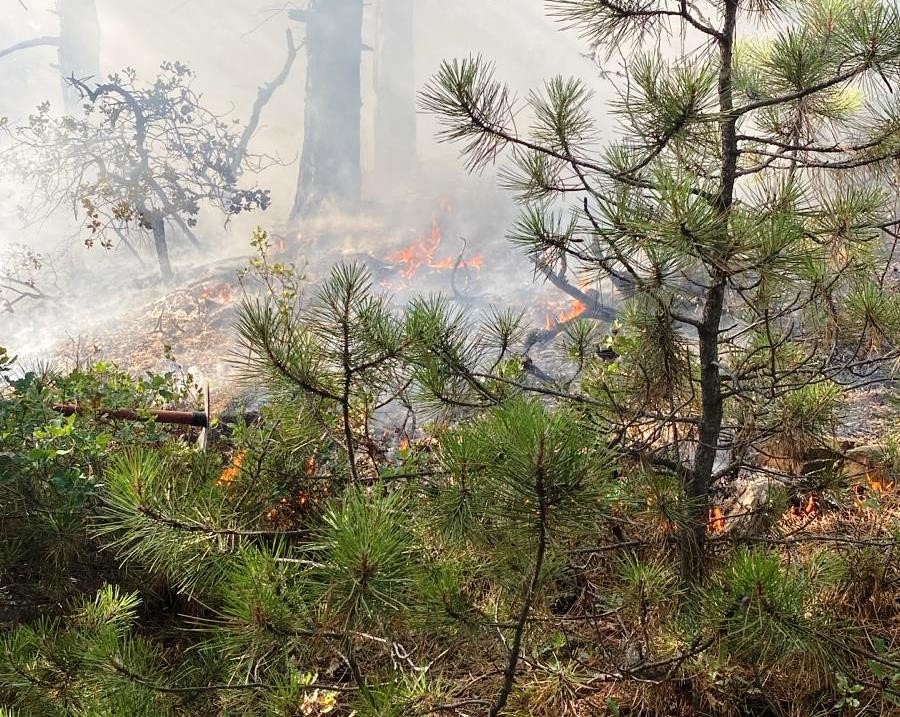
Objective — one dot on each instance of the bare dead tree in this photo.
(144, 156)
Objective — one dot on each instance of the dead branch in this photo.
(590, 299)
(44, 41)
(263, 96)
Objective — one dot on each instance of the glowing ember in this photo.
(576, 310)
(716, 524)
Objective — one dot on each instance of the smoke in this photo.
(233, 48)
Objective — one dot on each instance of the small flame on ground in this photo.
(422, 252)
(878, 481)
(577, 309)
(228, 476)
(808, 509)
(219, 292)
(716, 524)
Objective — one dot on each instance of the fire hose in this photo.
(196, 419)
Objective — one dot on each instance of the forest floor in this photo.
(189, 327)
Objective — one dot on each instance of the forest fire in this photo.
(421, 254)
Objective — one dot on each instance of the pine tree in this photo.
(746, 206)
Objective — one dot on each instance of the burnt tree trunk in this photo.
(330, 163)
(395, 87)
(79, 46)
(158, 225)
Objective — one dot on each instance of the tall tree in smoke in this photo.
(78, 46)
(395, 87)
(330, 166)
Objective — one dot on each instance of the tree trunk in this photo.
(693, 536)
(330, 163)
(162, 248)
(79, 46)
(395, 86)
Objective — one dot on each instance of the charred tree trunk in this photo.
(79, 46)
(395, 86)
(330, 163)
(158, 225)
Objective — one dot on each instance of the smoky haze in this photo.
(234, 47)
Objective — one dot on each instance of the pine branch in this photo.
(509, 675)
(225, 687)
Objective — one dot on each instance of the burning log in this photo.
(586, 305)
(578, 311)
(197, 419)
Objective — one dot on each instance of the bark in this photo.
(79, 46)
(395, 86)
(162, 248)
(330, 163)
(693, 536)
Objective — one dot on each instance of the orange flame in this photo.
(716, 524)
(576, 310)
(421, 253)
(878, 481)
(808, 509)
(229, 475)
